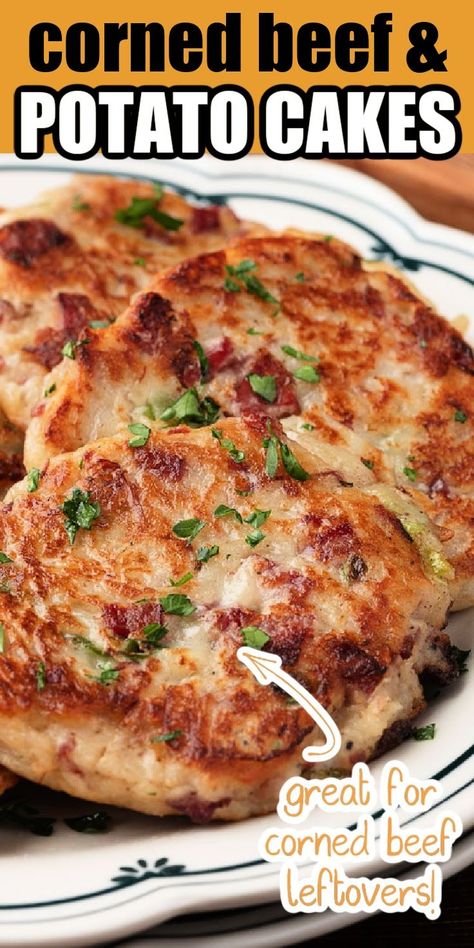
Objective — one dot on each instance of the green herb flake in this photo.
(169, 736)
(297, 354)
(49, 391)
(4, 558)
(188, 529)
(243, 275)
(254, 637)
(229, 446)
(307, 373)
(191, 410)
(141, 432)
(203, 360)
(254, 538)
(224, 511)
(291, 464)
(368, 463)
(79, 205)
(90, 823)
(182, 580)
(308, 426)
(411, 473)
(423, 344)
(176, 604)
(81, 641)
(70, 347)
(263, 385)
(327, 239)
(257, 517)
(300, 277)
(80, 512)
(426, 733)
(271, 455)
(140, 262)
(206, 552)
(2, 638)
(99, 323)
(154, 633)
(139, 208)
(254, 332)
(107, 675)
(33, 479)
(40, 676)
(460, 416)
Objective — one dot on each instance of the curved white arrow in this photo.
(266, 668)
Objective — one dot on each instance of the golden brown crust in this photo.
(66, 261)
(335, 583)
(396, 380)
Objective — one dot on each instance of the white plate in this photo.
(70, 889)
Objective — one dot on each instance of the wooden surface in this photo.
(442, 191)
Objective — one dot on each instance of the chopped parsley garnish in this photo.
(426, 733)
(80, 512)
(79, 205)
(188, 529)
(254, 332)
(291, 464)
(154, 632)
(307, 373)
(263, 385)
(271, 457)
(327, 239)
(98, 822)
(203, 360)
(224, 511)
(83, 642)
(33, 479)
(49, 391)
(139, 262)
(297, 354)
(368, 463)
(4, 558)
(182, 580)
(2, 638)
(70, 347)
(189, 408)
(254, 637)
(40, 676)
(460, 416)
(99, 323)
(141, 432)
(229, 446)
(255, 537)
(300, 277)
(257, 517)
(176, 604)
(307, 426)
(169, 736)
(206, 552)
(411, 473)
(242, 276)
(107, 674)
(139, 208)
(460, 657)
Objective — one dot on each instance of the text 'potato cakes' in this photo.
(75, 258)
(138, 567)
(293, 327)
